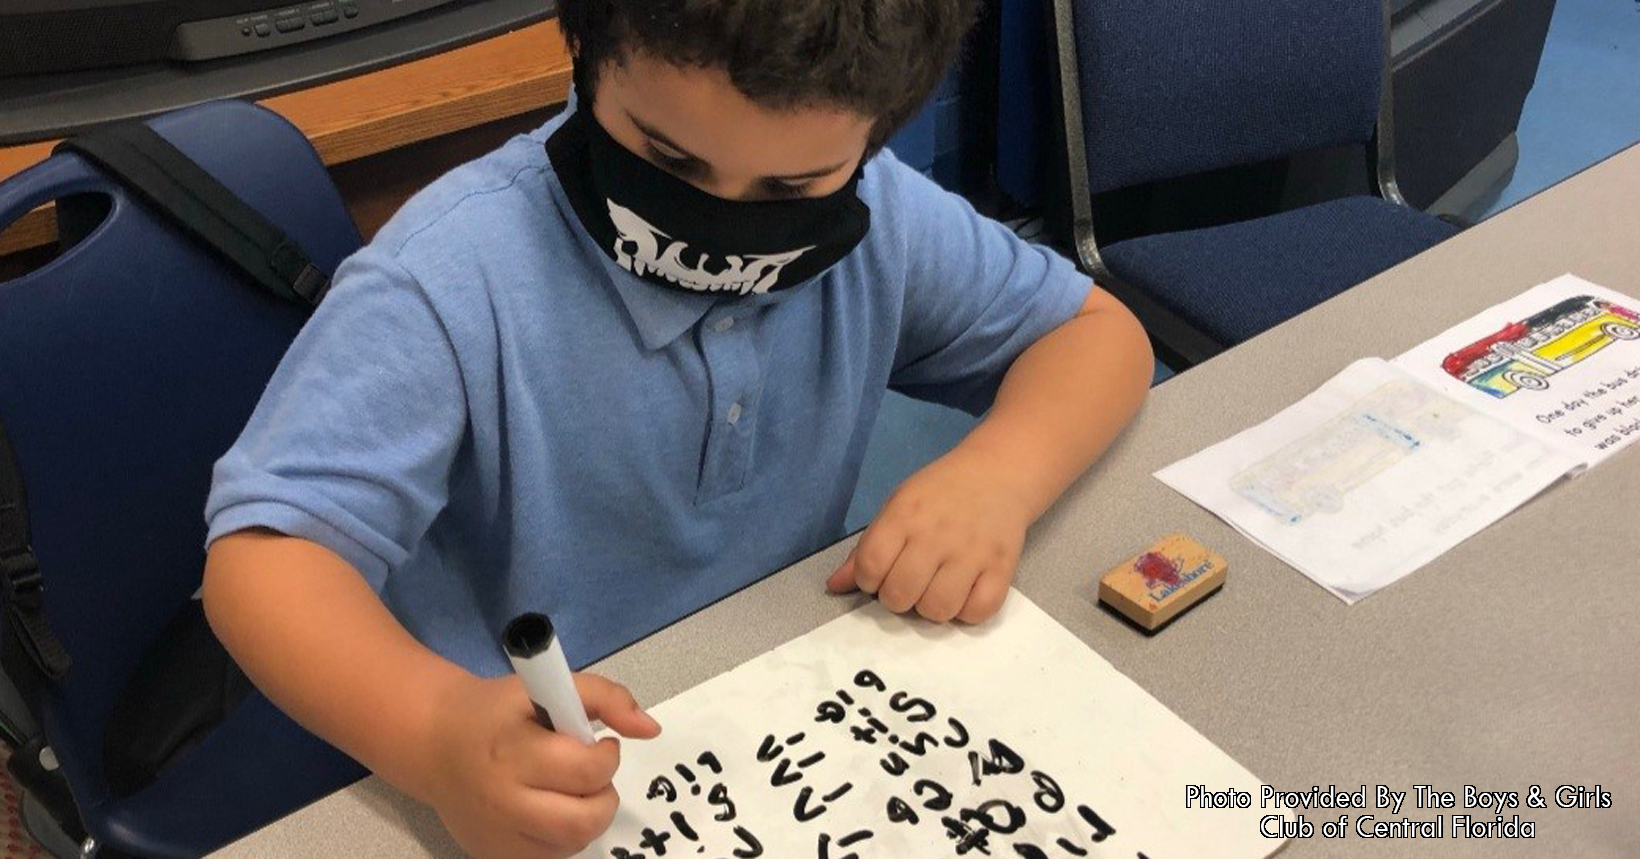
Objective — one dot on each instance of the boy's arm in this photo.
(344, 466)
(1063, 402)
(948, 540)
(308, 629)
(313, 636)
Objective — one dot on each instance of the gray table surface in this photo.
(1508, 662)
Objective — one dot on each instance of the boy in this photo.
(628, 364)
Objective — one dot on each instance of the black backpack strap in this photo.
(21, 588)
(30, 653)
(173, 183)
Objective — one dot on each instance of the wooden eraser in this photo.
(1158, 584)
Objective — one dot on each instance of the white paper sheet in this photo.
(1369, 478)
(788, 730)
(1560, 362)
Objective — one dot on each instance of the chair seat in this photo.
(1237, 280)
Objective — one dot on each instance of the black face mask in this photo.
(671, 233)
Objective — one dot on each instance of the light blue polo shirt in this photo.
(487, 416)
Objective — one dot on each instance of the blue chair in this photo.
(128, 365)
(1152, 92)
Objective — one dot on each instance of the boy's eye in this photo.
(688, 166)
(788, 189)
(681, 164)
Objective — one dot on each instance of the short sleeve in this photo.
(352, 442)
(976, 295)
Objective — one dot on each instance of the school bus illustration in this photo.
(1524, 354)
(1314, 473)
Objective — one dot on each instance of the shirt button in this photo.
(734, 414)
(724, 324)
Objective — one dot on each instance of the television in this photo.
(66, 65)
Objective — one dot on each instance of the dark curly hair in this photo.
(880, 58)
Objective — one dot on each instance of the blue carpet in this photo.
(1585, 104)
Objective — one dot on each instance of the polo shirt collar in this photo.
(661, 315)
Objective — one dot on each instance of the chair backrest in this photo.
(128, 365)
(1180, 87)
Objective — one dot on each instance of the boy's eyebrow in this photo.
(670, 144)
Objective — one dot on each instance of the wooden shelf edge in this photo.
(452, 115)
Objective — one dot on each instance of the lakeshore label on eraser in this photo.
(1157, 585)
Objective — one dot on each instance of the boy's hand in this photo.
(946, 543)
(507, 788)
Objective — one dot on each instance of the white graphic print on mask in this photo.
(642, 249)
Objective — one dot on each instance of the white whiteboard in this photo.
(755, 761)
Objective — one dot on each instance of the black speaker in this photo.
(54, 36)
(252, 49)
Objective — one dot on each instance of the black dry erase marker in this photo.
(539, 660)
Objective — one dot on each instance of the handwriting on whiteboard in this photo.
(878, 737)
(981, 813)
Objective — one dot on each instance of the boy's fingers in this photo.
(562, 764)
(842, 580)
(611, 703)
(876, 553)
(948, 593)
(570, 822)
(990, 589)
(906, 582)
